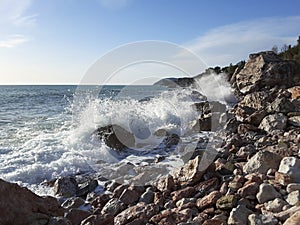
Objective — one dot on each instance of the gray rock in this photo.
(291, 166)
(239, 215)
(293, 198)
(183, 201)
(292, 187)
(65, 187)
(254, 219)
(87, 187)
(275, 205)
(147, 197)
(261, 162)
(129, 196)
(282, 216)
(273, 122)
(266, 193)
(59, 221)
(74, 202)
(113, 207)
(294, 120)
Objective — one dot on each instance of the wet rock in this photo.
(280, 104)
(239, 215)
(208, 200)
(266, 193)
(87, 187)
(282, 216)
(77, 215)
(293, 198)
(261, 162)
(226, 202)
(293, 220)
(20, 206)
(273, 122)
(275, 205)
(65, 187)
(294, 121)
(113, 207)
(254, 219)
(100, 201)
(207, 186)
(74, 202)
(283, 178)
(116, 137)
(291, 166)
(209, 107)
(171, 140)
(293, 187)
(59, 221)
(139, 213)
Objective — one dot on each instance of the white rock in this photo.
(293, 198)
(266, 193)
(239, 215)
(292, 187)
(291, 166)
(273, 122)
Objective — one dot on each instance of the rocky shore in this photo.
(254, 177)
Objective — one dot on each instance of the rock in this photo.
(170, 141)
(294, 121)
(105, 219)
(147, 197)
(119, 190)
(293, 198)
(273, 122)
(246, 151)
(266, 193)
(295, 91)
(280, 104)
(291, 166)
(139, 213)
(113, 207)
(194, 169)
(239, 215)
(249, 190)
(254, 219)
(116, 137)
(187, 192)
(224, 167)
(275, 205)
(65, 187)
(100, 201)
(282, 216)
(207, 186)
(129, 196)
(261, 162)
(293, 220)
(226, 202)
(265, 70)
(77, 215)
(208, 200)
(74, 202)
(165, 183)
(87, 187)
(293, 187)
(283, 178)
(209, 107)
(59, 221)
(20, 206)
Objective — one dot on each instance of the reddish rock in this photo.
(295, 91)
(293, 220)
(105, 219)
(283, 178)
(208, 200)
(129, 196)
(249, 190)
(77, 215)
(207, 186)
(20, 206)
(187, 192)
(166, 183)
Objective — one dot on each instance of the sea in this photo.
(48, 131)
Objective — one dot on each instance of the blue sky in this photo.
(56, 42)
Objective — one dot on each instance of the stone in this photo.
(59, 221)
(280, 104)
(273, 122)
(282, 216)
(283, 178)
(105, 219)
(170, 141)
(129, 196)
(256, 117)
(226, 202)
(100, 201)
(208, 200)
(293, 220)
(187, 192)
(116, 137)
(261, 162)
(295, 91)
(207, 186)
(249, 190)
(293, 187)
(147, 197)
(246, 151)
(294, 121)
(275, 205)
(18, 205)
(293, 198)
(184, 201)
(254, 219)
(165, 183)
(77, 215)
(239, 215)
(86, 188)
(291, 166)
(113, 207)
(246, 128)
(74, 202)
(141, 212)
(266, 193)
(65, 187)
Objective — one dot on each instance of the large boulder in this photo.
(273, 122)
(20, 206)
(116, 137)
(266, 70)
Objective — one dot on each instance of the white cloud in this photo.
(13, 41)
(234, 42)
(114, 4)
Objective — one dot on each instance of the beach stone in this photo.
(104, 219)
(129, 196)
(249, 190)
(291, 166)
(165, 183)
(207, 186)
(293, 187)
(254, 219)
(187, 192)
(273, 122)
(147, 197)
(261, 162)
(293, 198)
(65, 187)
(226, 202)
(113, 207)
(294, 121)
(74, 202)
(184, 201)
(140, 214)
(59, 221)
(116, 137)
(280, 104)
(208, 200)
(283, 178)
(275, 205)
(77, 215)
(266, 193)
(282, 216)
(18, 205)
(293, 220)
(86, 188)
(239, 215)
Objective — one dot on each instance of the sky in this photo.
(58, 42)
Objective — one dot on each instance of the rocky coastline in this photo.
(254, 177)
